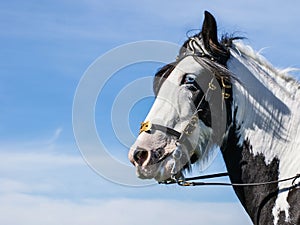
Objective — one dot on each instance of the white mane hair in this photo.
(281, 76)
(268, 113)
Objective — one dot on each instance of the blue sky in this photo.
(46, 47)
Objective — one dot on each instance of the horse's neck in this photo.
(263, 139)
(267, 109)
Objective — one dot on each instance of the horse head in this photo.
(188, 116)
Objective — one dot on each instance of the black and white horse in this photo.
(222, 94)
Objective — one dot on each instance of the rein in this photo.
(185, 181)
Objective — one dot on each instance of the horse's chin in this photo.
(160, 171)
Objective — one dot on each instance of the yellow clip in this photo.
(225, 95)
(212, 86)
(185, 183)
(145, 126)
(223, 83)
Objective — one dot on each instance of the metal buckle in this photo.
(145, 126)
(211, 86)
(223, 83)
(225, 95)
(185, 183)
(225, 86)
(188, 130)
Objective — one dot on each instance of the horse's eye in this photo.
(189, 79)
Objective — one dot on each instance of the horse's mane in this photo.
(281, 77)
(266, 96)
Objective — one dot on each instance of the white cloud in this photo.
(27, 197)
(10, 186)
(17, 209)
(26, 160)
(39, 166)
(41, 184)
(56, 135)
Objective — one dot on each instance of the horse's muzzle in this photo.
(142, 157)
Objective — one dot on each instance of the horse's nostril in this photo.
(140, 156)
(159, 153)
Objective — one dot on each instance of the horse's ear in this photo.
(209, 30)
(210, 38)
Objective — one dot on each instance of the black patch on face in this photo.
(161, 76)
(200, 103)
(203, 108)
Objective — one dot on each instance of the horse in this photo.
(221, 94)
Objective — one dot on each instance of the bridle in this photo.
(182, 138)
